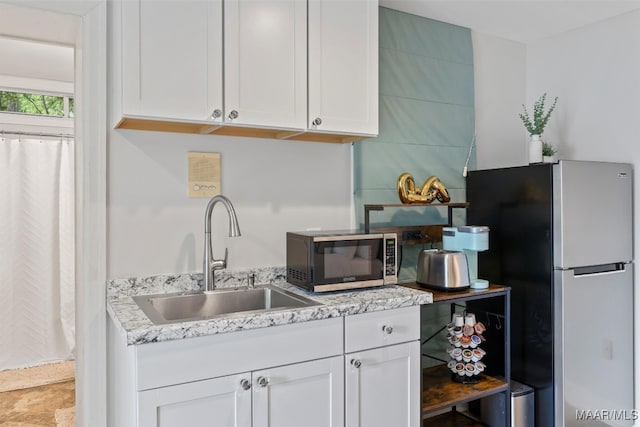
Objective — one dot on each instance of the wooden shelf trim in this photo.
(231, 130)
(466, 295)
(441, 392)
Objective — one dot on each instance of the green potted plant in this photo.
(548, 151)
(535, 126)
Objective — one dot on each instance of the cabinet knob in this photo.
(387, 330)
(263, 382)
(245, 384)
(356, 363)
(216, 113)
(317, 121)
(233, 115)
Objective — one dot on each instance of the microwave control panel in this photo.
(390, 242)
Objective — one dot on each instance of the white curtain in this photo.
(37, 277)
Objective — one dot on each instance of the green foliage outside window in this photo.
(38, 104)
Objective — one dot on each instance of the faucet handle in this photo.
(219, 264)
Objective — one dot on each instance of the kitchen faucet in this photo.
(210, 265)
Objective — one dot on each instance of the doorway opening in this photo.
(82, 25)
(37, 270)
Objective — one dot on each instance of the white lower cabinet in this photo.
(219, 401)
(303, 394)
(382, 369)
(307, 394)
(359, 371)
(383, 386)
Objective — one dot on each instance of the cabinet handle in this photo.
(387, 330)
(356, 363)
(216, 113)
(233, 115)
(245, 384)
(263, 382)
(317, 121)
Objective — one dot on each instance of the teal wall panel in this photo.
(426, 122)
(385, 162)
(425, 37)
(420, 77)
(415, 121)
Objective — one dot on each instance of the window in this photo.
(38, 104)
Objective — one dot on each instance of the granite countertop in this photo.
(138, 329)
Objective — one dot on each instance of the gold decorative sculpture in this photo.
(431, 190)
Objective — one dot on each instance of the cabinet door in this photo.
(383, 387)
(343, 66)
(309, 394)
(265, 62)
(220, 402)
(172, 58)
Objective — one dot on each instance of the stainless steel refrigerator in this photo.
(561, 236)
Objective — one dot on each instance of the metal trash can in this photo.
(492, 408)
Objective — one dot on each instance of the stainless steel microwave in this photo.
(335, 260)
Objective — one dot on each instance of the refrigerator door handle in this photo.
(618, 267)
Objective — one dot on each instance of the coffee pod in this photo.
(476, 355)
(467, 330)
(465, 341)
(460, 369)
(457, 319)
(475, 341)
(457, 331)
(479, 328)
(470, 319)
(456, 353)
(470, 369)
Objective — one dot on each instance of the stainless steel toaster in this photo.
(443, 270)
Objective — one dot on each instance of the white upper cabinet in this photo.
(172, 59)
(265, 65)
(289, 69)
(343, 66)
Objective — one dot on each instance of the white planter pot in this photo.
(548, 159)
(535, 149)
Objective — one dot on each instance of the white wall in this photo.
(595, 72)
(500, 83)
(275, 186)
(36, 60)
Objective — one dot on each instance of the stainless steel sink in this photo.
(181, 307)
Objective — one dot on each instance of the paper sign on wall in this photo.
(204, 174)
